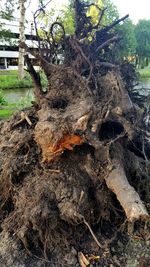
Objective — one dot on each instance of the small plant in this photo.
(25, 101)
(2, 99)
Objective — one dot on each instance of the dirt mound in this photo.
(59, 208)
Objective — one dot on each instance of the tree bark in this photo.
(129, 199)
(21, 38)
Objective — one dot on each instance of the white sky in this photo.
(137, 9)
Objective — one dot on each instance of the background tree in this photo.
(111, 12)
(126, 48)
(7, 8)
(142, 33)
(21, 38)
(6, 13)
(68, 18)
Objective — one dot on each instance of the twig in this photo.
(56, 171)
(100, 18)
(84, 262)
(23, 117)
(107, 28)
(93, 235)
(58, 24)
(45, 64)
(106, 64)
(35, 77)
(52, 35)
(75, 45)
(46, 4)
(28, 4)
(111, 40)
(35, 15)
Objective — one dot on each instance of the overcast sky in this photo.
(137, 9)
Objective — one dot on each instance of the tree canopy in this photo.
(134, 39)
(6, 13)
(126, 47)
(142, 33)
(7, 8)
(111, 13)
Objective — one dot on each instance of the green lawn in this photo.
(8, 72)
(144, 73)
(9, 79)
(5, 113)
(8, 109)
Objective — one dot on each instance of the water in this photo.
(16, 95)
(145, 83)
(17, 99)
(21, 98)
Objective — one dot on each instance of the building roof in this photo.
(11, 54)
(13, 26)
(15, 42)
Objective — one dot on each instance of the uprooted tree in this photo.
(78, 158)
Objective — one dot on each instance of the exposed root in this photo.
(126, 194)
(23, 117)
(92, 233)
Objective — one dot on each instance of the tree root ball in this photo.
(73, 167)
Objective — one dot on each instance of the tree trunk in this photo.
(21, 38)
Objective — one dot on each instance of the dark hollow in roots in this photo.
(110, 130)
(59, 103)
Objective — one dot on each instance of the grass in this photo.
(12, 81)
(9, 80)
(2, 99)
(144, 73)
(8, 109)
(8, 72)
(5, 113)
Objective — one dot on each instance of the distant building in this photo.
(9, 48)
